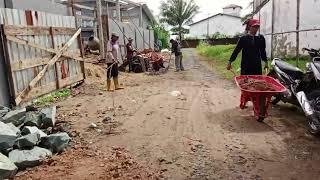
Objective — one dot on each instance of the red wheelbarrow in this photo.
(260, 99)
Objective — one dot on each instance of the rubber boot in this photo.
(116, 84)
(109, 85)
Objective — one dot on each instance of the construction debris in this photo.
(7, 137)
(30, 130)
(7, 168)
(21, 146)
(154, 60)
(255, 85)
(29, 158)
(49, 116)
(33, 119)
(15, 117)
(27, 141)
(14, 128)
(56, 142)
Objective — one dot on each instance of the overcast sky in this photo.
(207, 7)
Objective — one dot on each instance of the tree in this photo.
(178, 13)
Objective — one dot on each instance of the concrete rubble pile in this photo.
(153, 60)
(151, 55)
(23, 143)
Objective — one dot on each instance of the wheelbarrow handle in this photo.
(234, 73)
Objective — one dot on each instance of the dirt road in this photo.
(201, 134)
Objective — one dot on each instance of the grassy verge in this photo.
(52, 97)
(220, 54)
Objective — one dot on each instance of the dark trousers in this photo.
(112, 72)
(130, 61)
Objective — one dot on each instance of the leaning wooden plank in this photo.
(18, 30)
(31, 63)
(34, 45)
(33, 83)
(64, 30)
(42, 90)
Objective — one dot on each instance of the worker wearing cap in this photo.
(112, 62)
(253, 47)
(130, 51)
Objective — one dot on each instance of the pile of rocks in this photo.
(25, 139)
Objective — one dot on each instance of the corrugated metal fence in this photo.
(143, 38)
(31, 39)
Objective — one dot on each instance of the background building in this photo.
(226, 23)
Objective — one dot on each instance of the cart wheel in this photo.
(260, 119)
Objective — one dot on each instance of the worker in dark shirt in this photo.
(130, 51)
(176, 49)
(253, 47)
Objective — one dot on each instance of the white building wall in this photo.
(232, 11)
(223, 24)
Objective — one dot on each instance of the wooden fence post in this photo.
(99, 20)
(8, 69)
(272, 28)
(55, 64)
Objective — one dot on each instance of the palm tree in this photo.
(178, 13)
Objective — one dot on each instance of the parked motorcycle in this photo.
(303, 88)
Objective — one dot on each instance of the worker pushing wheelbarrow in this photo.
(254, 87)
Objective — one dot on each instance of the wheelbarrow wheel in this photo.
(262, 108)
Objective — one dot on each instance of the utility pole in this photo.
(118, 11)
(208, 26)
(140, 15)
(99, 19)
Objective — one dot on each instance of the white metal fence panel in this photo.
(288, 38)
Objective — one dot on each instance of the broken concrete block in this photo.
(14, 128)
(29, 158)
(49, 116)
(33, 119)
(56, 142)
(32, 129)
(7, 168)
(15, 117)
(27, 141)
(7, 137)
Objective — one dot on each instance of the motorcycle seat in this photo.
(289, 69)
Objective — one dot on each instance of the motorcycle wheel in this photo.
(315, 103)
(275, 99)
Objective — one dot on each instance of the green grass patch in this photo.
(52, 97)
(220, 54)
